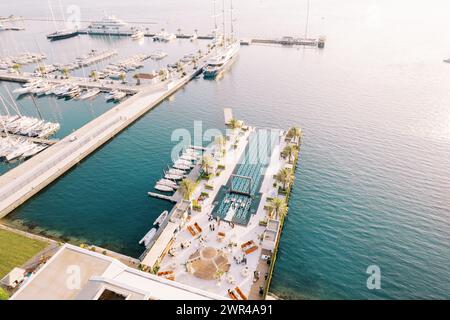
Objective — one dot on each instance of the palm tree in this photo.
(93, 75)
(294, 132)
(179, 31)
(289, 152)
(138, 80)
(162, 75)
(122, 77)
(187, 188)
(16, 67)
(234, 124)
(65, 72)
(220, 142)
(179, 67)
(206, 163)
(285, 177)
(199, 52)
(279, 207)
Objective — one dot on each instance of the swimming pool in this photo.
(239, 198)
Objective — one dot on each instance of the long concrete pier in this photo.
(24, 181)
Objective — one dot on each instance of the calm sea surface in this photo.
(373, 187)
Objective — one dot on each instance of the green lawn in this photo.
(16, 249)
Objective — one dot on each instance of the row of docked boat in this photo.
(12, 149)
(39, 88)
(21, 59)
(179, 170)
(116, 70)
(92, 57)
(27, 126)
(158, 55)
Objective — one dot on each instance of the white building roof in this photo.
(16, 274)
(76, 273)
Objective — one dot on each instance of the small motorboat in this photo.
(167, 182)
(162, 217)
(90, 93)
(177, 172)
(188, 157)
(137, 35)
(148, 237)
(158, 55)
(183, 162)
(164, 188)
(181, 166)
(172, 176)
(119, 95)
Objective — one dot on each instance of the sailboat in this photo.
(227, 55)
(61, 34)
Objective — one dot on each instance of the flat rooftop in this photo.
(76, 273)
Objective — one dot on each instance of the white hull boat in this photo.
(177, 172)
(148, 237)
(181, 166)
(172, 176)
(163, 188)
(167, 182)
(162, 217)
(89, 94)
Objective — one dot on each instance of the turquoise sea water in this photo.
(373, 186)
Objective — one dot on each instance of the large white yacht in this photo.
(227, 49)
(108, 25)
(220, 62)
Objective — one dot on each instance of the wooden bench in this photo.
(191, 231)
(246, 244)
(241, 294)
(197, 227)
(250, 250)
(232, 295)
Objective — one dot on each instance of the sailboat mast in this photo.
(215, 15)
(53, 15)
(223, 20)
(307, 20)
(231, 19)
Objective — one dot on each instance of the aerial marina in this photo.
(194, 165)
(220, 150)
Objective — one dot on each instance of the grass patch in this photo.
(3, 294)
(16, 249)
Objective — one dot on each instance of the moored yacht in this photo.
(90, 93)
(108, 25)
(138, 34)
(220, 63)
(62, 34)
(164, 36)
